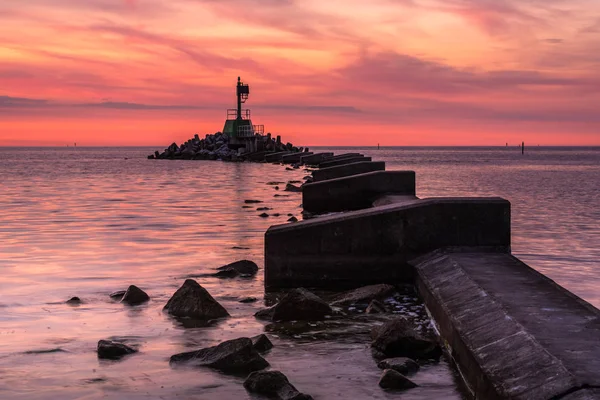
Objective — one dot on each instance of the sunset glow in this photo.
(394, 72)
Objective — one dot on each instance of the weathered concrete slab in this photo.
(257, 156)
(371, 246)
(513, 332)
(294, 157)
(356, 192)
(275, 157)
(315, 159)
(341, 171)
(342, 161)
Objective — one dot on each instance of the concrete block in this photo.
(342, 161)
(294, 157)
(371, 246)
(258, 156)
(512, 332)
(276, 157)
(341, 171)
(315, 159)
(356, 192)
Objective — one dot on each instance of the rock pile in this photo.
(216, 147)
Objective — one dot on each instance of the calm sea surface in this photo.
(89, 221)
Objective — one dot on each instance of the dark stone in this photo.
(248, 300)
(263, 209)
(363, 295)
(394, 380)
(134, 295)
(276, 214)
(292, 188)
(276, 187)
(396, 338)
(376, 307)
(293, 219)
(74, 301)
(264, 215)
(297, 305)
(193, 301)
(118, 295)
(234, 356)
(113, 350)
(261, 343)
(275, 183)
(252, 201)
(273, 384)
(242, 267)
(401, 364)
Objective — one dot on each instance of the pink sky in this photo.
(336, 72)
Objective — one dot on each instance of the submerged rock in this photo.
(261, 343)
(118, 295)
(242, 267)
(298, 304)
(134, 295)
(396, 338)
(74, 301)
(293, 219)
(248, 300)
(292, 188)
(113, 350)
(395, 380)
(273, 384)
(252, 201)
(401, 364)
(193, 301)
(363, 294)
(376, 307)
(234, 356)
(264, 215)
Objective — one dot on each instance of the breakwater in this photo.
(511, 331)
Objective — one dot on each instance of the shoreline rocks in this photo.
(244, 268)
(193, 301)
(363, 294)
(298, 304)
(273, 384)
(396, 338)
(231, 356)
(394, 380)
(403, 365)
(134, 296)
(108, 349)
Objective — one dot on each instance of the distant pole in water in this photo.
(377, 146)
(523, 148)
(75, 144)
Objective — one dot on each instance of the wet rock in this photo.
(363, 295)
(242, 267)
(234, 356)
(118, 295)
(401, 364)
(394, 380)
(248, 300)
(376, 307)
(273, 384)
(276, 215)
(293, 219)
(263, 209)
(113, 350)
(74, 301)
(264, 215)
(134, 295)
(396, 338)
(276, 187)
(289, 169)
(275, 183)
(261, 343)
(252, 201)
(297, 305)
(292, 188)
(247, 207)
(193, 301)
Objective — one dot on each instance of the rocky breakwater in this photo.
(219, 146)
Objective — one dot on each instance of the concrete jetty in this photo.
(315, 159)
(342, 161)
(276, 157)
(347, 170)
(512, 332)
(294, 157)
(356, 192)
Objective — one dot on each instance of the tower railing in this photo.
(232, 114)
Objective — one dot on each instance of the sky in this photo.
(335, 72)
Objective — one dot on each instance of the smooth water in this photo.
(89, 221)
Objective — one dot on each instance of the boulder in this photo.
(74, 301)
(242, 267)
(292, 188)
(264, 215)
(273, 384)
(396, 338)
(401, 364)
(113, 350)
(118, 295)
(363, 295)
(394, 380)
(134, 295)
(193, 301)
(293, 219)
(233, 356)
(297, 305)
(248, 300)
(252, 201)
(376, 307)
(261, 343)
